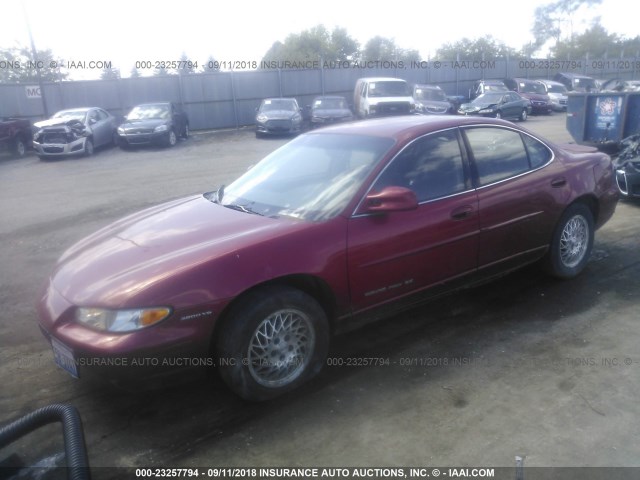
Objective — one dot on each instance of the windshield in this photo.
(532, 87)
(312, 177)
(495, 87)
(278, 104)
(488, 98)
(553, 88)
(145, 112)
(330, 103)
(389, 88)
(430, 94)
(71, 115)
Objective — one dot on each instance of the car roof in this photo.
(79, 109)
(405, 127)
(381, 79)
(153, 103)
(551, 82)
(330, 96)
(428, 86)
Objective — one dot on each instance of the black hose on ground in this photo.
(74, 445)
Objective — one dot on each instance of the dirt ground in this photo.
(525, 366)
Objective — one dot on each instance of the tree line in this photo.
(553, 30)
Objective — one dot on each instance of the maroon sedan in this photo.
(340, 225)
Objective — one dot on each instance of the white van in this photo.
(382, 96)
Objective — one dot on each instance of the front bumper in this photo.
(540, 107)
(278, 127)
(180, 342)
(76, 147)
(143, 138)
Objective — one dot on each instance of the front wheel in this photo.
(88, 147)
(523, 115)
(172, 139)
(185, 133)
(271, 342)
(498, 114)
(572, 242)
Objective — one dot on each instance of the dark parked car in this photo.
(533, 90)
(153, 123)
(329, 109)
(343, 224)
(431, 100)
(576, 82)
(15, 135)
(77, 131)
(499, 105)
(278, 116)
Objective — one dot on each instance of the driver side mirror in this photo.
(390, 199)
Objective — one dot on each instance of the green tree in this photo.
(385, 49)
(186, 66)
(134, 73)
(487, 48)
(21, 66)
(554, 19)
(314, 44)
(596, 42)
(211, 65)
(110, 74)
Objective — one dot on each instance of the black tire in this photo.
(258, 134)
(272, 341)
(498, 114)
(572, 242)
(185, 133)
(523, 115)
(88, 148)
(172, 138)
(19, 148)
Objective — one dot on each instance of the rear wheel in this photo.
(572, 242)
(273, 341)
(19, 147)
(185, 133)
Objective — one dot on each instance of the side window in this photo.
(498, 153)
(430, 166)
(102, 115)
(539, 154)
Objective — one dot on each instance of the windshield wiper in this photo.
(242, 208)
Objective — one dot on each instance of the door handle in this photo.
(461, 213)
(558, 182)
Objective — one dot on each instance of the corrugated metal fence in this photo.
(229, 99)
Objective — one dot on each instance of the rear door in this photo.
(396, 253)
(520, 193)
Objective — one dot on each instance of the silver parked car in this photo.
(75, 131)
(557, 93)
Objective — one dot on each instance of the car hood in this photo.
(117, 264)
(330, 112)
(278, 114)
(146, 123)
(536, 96)
(56, 122)
(474, 107)
(433, 103)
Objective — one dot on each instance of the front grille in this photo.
(538, 103)
(436, 109)
(139, 139)
(139, 131)
(563, 102)
(279, 124)
(393, 108)
(54, 137)
(53, 149)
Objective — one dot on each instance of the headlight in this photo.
(161, 128)
(296, 117)
(121, 320)
(486, 110)
(261, 118)
(121, 130)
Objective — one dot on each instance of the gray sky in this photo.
(124, 32)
